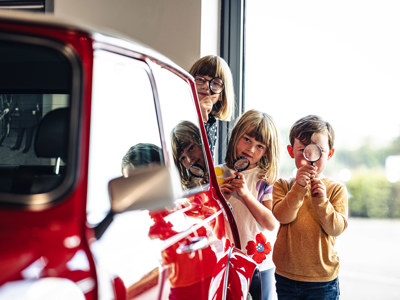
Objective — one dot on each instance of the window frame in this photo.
(43, 6)
(233, 51)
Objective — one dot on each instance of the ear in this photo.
(290, 151)
(331, 153)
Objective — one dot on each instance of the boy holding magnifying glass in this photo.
(312, 210)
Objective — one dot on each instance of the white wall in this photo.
(182, 30)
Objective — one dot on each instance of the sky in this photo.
(336, 59)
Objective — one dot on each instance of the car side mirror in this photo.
(146, 188)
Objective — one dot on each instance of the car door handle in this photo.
(193, 244)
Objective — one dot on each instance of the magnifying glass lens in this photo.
(196, 170)
(241, 163)
(216, 85)
(312, 153)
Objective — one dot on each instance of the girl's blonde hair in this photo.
(260, 126)
(215, 66)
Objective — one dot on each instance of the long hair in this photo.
(261, 127)
(215, 66)
(184, 134)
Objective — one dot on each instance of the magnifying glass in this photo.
(196, 170)
(240, 164)
(216, 85)
(312, 153)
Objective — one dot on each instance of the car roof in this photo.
(102, 35)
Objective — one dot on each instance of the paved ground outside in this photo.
(369, 252)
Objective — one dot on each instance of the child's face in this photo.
(296, 152)
(251, 148)
(203, 90)
(192, 154)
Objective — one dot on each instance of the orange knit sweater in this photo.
(304, 248)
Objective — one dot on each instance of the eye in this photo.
(246, 139)
(217, 83)
(260, 146)
(182, 159)
(199, 80)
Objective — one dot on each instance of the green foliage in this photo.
(371, 195)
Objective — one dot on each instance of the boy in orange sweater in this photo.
(312, 210)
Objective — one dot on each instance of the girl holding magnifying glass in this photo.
(214, 85)
(248, 188)
(188, 154)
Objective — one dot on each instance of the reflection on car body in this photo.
(68, 216)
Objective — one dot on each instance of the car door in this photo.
(167, 253)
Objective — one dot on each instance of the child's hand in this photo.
(318, 188)
(305, 174)
(239, 184)
(227, 188)
(206, 106)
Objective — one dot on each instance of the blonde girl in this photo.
(214, 85)
(250, 191)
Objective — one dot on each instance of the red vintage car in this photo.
(94, 200)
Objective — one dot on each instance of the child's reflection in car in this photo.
(142, 154)
(178, 263)
(188, 154)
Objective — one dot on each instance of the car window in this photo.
(35, 92)
(124, 127)
(182, 129)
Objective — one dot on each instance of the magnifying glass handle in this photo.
(237, 176)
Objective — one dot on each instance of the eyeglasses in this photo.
(216, 85)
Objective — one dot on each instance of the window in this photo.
(35, 86)
(123, 116)
(305, 59)
(181, 129)
(28, 5)
(339, 60)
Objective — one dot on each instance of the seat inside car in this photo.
(51, 141)
(52, 135)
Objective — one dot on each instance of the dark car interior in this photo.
(35, 84)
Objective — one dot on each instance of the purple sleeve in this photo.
(263, 188)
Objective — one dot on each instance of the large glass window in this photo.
(339, 60)
(323, 59)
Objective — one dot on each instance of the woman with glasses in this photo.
(214, 86)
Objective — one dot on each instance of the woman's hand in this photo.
(206, 106)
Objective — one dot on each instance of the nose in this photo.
(252, 149)
(190, 158)
(204, 86)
